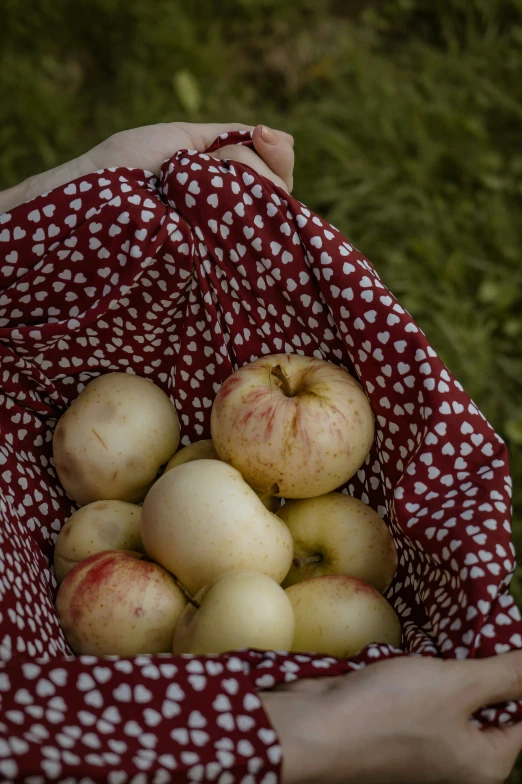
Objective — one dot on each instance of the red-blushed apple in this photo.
(118, 602)
(102, 525)
(202, 519)
(339, 615)
(240, 609)
(338, 534)
(295, 426)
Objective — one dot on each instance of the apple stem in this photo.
(263, 495)
(307, 559)
(184, 591)
(281, 376)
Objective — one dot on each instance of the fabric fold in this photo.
(182, 279)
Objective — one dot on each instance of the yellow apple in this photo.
(240, 609)
(199, 450)
(117, 602)
(337, 534)
(339, 615)
(113, 439)
(102, 525)
(294, 426)
(205, 450)
(202, 519)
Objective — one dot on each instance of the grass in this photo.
(407, 126)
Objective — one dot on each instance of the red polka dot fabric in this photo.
(183, 279)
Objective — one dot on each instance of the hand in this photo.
(404, 721)
(274, 160)
(147, 148)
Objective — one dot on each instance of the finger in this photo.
(492, 680)
(203, 134)
(307, 685)
(276, 151)
(211, 130)
(237, 152)
(284, 135)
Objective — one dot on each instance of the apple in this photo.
(113, 439)
(118, 603)
(338, 534)
(339, 615)
(294, 426)
(205, 450)
(202, 519)
(102, 525)
(242, 609)
(199, 450)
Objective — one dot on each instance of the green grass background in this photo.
(407, 118)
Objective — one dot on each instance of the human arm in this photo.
(147, 147)
(403, 721)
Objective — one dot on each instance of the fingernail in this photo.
(268, 135)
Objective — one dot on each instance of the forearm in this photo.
(45, 182)
(12, 197)
(306, 759)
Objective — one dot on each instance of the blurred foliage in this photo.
(406, 116)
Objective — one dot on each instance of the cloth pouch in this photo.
(183, 279)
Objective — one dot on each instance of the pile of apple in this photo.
(213, 559)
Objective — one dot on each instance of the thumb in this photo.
(276, 150)
(491, 680)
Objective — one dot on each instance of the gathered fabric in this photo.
(182, 279)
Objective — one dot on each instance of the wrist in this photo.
(60, 175)
(45, 182)
(297, 721)
(12, 197)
